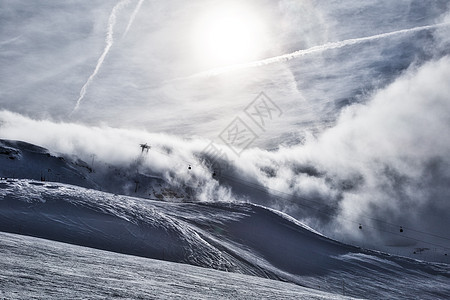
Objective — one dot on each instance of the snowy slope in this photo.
(23, 160)
(40, 269)
(240, 238)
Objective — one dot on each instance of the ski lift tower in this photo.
(144, 147)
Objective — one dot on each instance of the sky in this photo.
(345, 103)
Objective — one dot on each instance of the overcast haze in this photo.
(362, 90)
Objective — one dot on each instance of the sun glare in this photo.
(227, 36)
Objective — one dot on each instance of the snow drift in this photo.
(241, 238)
(43, 269)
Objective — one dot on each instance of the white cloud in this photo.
(387, 159)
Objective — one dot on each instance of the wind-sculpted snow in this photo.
(42, 269)
(100, 220)
(241, 238)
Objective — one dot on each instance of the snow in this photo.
(33, 268)
(240, 238)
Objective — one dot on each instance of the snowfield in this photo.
(238, 238)
(40, 269)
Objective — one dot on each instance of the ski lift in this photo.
(401, 229)
(189, 167)
(144, 147)
(360, 226)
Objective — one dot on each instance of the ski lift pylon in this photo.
(144, 147)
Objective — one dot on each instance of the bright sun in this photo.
(227, 35)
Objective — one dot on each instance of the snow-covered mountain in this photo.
(234, 237)
(23, 160)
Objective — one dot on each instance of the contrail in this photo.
(109, 42)
(133, 16)
(11, 40)
(299, 53)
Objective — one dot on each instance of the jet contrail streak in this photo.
(299, 53)
(109, 42)
(11, 40)
(133, 16)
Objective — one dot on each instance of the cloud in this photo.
(168, 158)
(384, 164)
(60, 45)
(386, 160)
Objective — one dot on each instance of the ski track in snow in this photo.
(109, 43)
